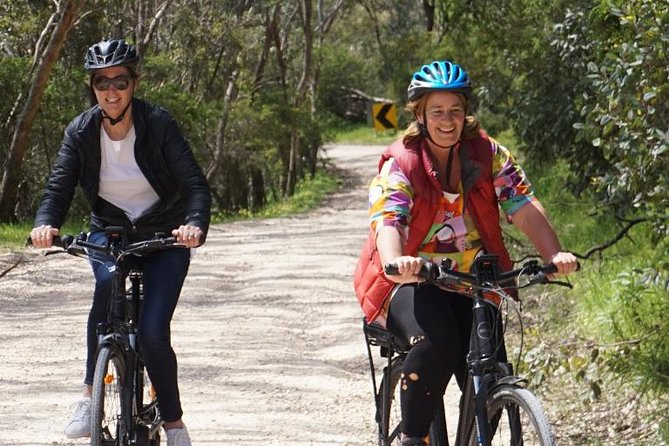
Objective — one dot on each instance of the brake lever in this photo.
(55, 251)
(543, 279)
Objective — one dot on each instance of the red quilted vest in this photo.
(371, 286)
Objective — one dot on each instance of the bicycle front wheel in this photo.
(109, 402)
(516, 418)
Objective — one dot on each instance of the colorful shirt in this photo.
(453, 233)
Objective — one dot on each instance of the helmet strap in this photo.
(449, 162)
(119, 118)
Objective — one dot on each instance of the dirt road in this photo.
(268, 331)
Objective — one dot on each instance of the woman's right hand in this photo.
(42, 236)
(408, 268)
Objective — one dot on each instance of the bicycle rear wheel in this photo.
(390, 418)
(516, 418)
(147, 421)
(109, 402)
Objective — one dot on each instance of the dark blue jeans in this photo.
(164, 274)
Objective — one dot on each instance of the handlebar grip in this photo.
(391, 269)
(57, 240)
(63, 240)
(551, 268)
(428, 271)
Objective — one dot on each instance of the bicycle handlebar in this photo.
(77, 245)
(435, 273)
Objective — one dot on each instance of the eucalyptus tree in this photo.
(62, 21)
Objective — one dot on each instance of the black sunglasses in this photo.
(102, 83)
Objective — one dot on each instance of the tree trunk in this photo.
(324, 23)
(428, 8)
(21, 138)
(145, 35)
(230, 98)
(294, 165)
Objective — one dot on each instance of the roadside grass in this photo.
(309, 194)
(364, 134)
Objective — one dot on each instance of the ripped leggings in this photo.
(437, 324)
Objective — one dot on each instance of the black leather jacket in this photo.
(163, 155)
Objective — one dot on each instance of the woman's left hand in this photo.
(188, 235)
(565, 262)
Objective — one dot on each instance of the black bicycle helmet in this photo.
(438, 75)
(110, 53)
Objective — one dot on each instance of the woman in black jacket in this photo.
(136, 170)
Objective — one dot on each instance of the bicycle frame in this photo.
(120, 329)
(486, 344)
(487, 362)
(485, 367)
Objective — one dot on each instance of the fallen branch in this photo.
(11, 267)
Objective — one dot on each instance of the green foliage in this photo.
(611, 327)
(631, 309)
(342, 69)
(196, 118)
(641, 300)
(624, 106)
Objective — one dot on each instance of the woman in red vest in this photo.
(438, 195)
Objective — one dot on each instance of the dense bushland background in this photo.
(579, 90)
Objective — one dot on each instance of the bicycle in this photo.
(124, 408)
(495, 406)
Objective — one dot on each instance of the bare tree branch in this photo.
(595, 249)
(20, 140)
(145, 40)
(613, 241)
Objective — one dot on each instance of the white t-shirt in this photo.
(122, 183)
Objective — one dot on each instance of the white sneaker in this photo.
(178, 437)
(80, 423)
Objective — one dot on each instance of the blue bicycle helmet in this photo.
(110, 53)
(439, 75)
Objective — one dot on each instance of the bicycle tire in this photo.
(148, 422)
(109, 401)
(391, 414)
(390, 417)
(516, 418)
(438, 433)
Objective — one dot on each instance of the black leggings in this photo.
(436, 323)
